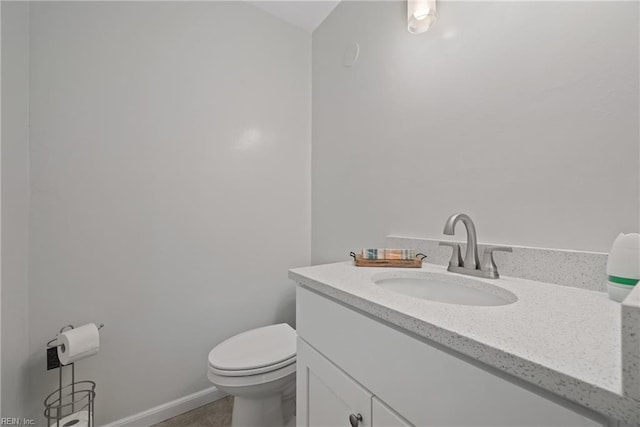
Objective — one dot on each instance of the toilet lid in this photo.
(254, 349)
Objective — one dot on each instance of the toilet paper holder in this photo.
(52, 343)
(71, 404)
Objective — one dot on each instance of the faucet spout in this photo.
(471, 257)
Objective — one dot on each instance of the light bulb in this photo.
(421, 14)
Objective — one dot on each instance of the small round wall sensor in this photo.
(351, 54)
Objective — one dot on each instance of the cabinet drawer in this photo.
(427, 385)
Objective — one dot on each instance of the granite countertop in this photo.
(562, 339)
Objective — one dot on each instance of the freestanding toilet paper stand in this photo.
(72, 404)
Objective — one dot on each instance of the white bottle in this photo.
(623, 266)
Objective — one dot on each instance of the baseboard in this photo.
(169, 409)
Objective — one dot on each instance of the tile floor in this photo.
(215, 414)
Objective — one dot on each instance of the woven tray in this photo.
(405, 263)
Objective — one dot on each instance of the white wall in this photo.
(15, 208)
(170, 149)
(522, 114)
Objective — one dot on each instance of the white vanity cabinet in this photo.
(349, 363)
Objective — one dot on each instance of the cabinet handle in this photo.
(354, 419)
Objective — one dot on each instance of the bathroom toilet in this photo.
(258, 368)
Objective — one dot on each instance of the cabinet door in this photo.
(383, 416)
(326, 396)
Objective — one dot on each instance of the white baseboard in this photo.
(169, 409)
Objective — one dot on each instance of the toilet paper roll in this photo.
(78, 343)
(77, 419)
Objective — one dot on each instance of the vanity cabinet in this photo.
(349, 363)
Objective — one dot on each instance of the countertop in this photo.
(562, 339)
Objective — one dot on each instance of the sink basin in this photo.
(444, 288)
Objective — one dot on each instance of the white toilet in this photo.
(258, 368)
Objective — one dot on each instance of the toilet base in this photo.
(257, 412)
(265, 400)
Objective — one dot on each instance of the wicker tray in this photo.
(405, 263)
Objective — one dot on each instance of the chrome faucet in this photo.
(471, 257)
(470, 265)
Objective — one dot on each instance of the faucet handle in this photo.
(456, 255)
(488, 264)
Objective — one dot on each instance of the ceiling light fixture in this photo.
(421, 14)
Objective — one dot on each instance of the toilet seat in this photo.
(255, 352)
(249, 372)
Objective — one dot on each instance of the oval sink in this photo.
(444, 288)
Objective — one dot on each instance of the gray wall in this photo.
(522, 114)
(15, 208)
(170, 149)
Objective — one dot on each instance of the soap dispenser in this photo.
(623, 266)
